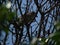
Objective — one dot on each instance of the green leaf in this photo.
(3, 13)
(57, 43)
(57, 25)
(55, 36)
(1, 27)
(6, 30)
(10, 16)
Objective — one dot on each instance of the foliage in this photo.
(23, 24)
(54, 36)
(5, 17)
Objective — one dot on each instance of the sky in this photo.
(37, 19)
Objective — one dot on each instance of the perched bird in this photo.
(27, 18)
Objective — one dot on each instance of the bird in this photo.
(27, 18)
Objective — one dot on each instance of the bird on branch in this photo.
(27, 18)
